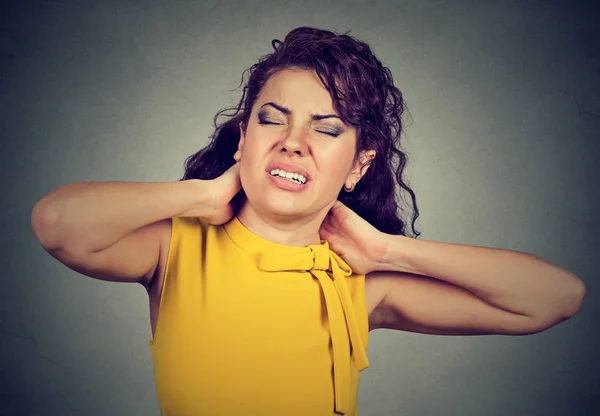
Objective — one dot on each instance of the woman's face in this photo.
(293, 130)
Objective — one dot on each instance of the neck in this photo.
(285, 230)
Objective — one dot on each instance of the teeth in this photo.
(288, 175)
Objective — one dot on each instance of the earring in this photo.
(236, 156)
(349, 189)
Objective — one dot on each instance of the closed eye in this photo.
(329, 133)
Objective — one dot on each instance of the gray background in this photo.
(504, 99)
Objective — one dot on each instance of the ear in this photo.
(237, 156)
(360, 167)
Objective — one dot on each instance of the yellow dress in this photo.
(250, 327)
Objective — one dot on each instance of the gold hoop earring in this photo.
(349, 189)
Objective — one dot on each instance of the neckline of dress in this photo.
(255, 244)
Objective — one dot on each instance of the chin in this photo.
(280, 207)
(284, 208)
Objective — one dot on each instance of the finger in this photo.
(339, 204)
(340, 209)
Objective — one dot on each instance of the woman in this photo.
(269, 262)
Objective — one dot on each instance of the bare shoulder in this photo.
(153, 283)
(376, 286)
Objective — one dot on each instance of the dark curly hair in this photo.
(364, 95)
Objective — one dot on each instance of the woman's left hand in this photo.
(352, 238)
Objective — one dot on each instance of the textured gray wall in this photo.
(505, 105)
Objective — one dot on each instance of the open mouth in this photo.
(290, 176)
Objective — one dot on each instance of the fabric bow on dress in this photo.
(344, 330)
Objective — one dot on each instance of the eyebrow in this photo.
(287, 111)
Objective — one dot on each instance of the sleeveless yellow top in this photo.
(250, 327)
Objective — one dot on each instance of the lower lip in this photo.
(286, 184)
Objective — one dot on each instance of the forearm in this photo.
(517, 282)
(91, 216)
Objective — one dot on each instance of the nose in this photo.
(294, 141)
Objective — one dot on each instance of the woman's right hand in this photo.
(220, 192)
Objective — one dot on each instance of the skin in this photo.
(289, 218)
(294, 218)
(451, 289)
(411, 285)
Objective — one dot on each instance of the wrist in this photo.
(198, 198)
(396, 254)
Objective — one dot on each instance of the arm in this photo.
(115, 230)
(92, 216)
(451, 289)
(112, 230)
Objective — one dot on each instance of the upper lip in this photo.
(288, 167)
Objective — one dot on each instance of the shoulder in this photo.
(163, 230)
(172, 231)
(376, 288)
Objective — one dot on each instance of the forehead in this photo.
(298, 90)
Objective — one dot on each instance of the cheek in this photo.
(257, 143)
(339, 165)
(346, 156)
(249, 165)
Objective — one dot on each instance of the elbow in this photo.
(567, 306)
(559, 309)
(43, 222)
(574, 297)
